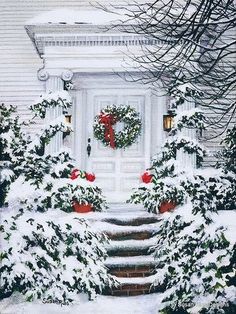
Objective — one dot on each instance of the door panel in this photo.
(118, 170)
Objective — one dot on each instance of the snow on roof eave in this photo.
(71, 17)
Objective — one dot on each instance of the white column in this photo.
(54, 84)
(186, 160)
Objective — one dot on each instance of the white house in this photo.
(43, 47)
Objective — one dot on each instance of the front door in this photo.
(118, 170)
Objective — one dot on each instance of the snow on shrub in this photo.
(10, 133)
(46, 255)
(52, 257)
(193, 257)
(51, 100)
(45, 176)
(59, 193)
(193, 262)
(228, 164)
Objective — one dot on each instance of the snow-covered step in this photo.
(130, 260)
(132, 244)
(136, 280)
(131, 231)
(125, 290)
(130, 235)
(111, 228)
(124, 208)
(132, 271)
(122, 217)
(129, 252)
(131, 247)
(132, 221)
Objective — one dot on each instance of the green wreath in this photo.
(108, 117)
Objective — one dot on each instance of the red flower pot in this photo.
(81, 208)
(166, 207)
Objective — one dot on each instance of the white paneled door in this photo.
(118, 170)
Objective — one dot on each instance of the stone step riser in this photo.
(134, 274)
(130, 236)
(134, 289)
(128, 252)
(134, 222)
(133, 271)
(130, 263)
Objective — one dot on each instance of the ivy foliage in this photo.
(194, 258)
(52, 258)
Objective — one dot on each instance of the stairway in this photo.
(131, 231)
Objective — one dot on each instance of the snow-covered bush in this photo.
(52, 257)
(46, 176)
(227, 162)
(53, 193)
(172, 182)
(50, 100)
(168, 175)
(191, 253)
(10, 130)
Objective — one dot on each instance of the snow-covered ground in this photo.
(147, 304)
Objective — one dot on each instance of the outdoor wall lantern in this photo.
(68, 119)
(168, 121)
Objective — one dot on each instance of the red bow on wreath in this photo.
(108, 120)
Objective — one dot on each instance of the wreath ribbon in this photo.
(108, 120)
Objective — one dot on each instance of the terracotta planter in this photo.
(166, 207)
(81, 208)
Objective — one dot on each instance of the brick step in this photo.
(128, 251)
(132, 222)
(129, 261)
(132, 271)
(135, 235)
(133, 290)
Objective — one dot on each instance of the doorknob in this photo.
(89, 148)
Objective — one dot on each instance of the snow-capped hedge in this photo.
(194, 261)
(51, 256)
(41, 180)
(59, 193)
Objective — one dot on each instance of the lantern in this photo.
(168, 122)
(68, 119)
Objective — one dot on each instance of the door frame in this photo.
(87, 83)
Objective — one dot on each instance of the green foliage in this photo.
(191, 252)
(55, 193)
(52, 258)
(227, 162)
(51, 100)
(36, 171)
(10, 136)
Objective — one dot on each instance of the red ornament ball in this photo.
(146, 177)
(74, 174)
(90, 177)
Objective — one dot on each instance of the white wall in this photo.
(19, 61)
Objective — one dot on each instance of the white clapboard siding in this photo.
(19, 61)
